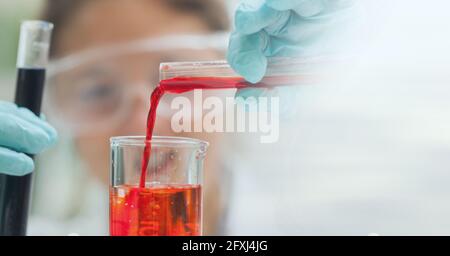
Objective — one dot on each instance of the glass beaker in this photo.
(170, 204)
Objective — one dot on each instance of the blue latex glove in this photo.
(286, 28)
(21, 132)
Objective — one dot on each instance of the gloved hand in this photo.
(21, 132)
(285, 28)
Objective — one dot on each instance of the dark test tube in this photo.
(32, 60)
(15, 191)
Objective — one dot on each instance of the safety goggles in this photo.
(94, 90)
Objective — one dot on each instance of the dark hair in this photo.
(213, 12)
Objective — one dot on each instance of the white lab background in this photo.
(368, 153)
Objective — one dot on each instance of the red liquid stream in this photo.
(179, 85)
(176, 86)
(169, 210)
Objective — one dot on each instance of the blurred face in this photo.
(101, 85)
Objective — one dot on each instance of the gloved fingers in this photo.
(252, 17)
(21, 135)
(26, 114)
(309, 37)
(32, 118)
(304, 8)
(311, 8)
(245, 55)
(13, 163)
(283, 5)
(306, 42)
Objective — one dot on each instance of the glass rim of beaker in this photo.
(158, 141)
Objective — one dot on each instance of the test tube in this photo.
(280, 70)
(32, 59)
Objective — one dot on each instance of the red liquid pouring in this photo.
(185, 84)
(179, 85)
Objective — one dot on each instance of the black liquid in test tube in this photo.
(32, 60)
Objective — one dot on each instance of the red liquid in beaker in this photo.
(155, 211)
